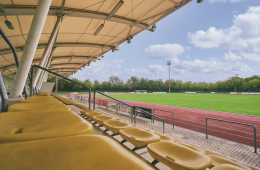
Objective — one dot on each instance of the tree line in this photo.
(232, 84)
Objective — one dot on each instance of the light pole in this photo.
(169, 63)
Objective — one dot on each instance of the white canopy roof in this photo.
(75, 36)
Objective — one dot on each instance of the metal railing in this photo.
(94, 102)
(15, 56)
(255, 141)
(133, 118)
(166, 111)
(31, 88)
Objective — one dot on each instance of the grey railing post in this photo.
(89, 100)
(107, 104)
(255, 140)
(173, 120)
(94, 100)
(152, 115)
(116, 107)
(135, 116)
(99, 102)
(131, 114)
(206, 128)
(163, 126)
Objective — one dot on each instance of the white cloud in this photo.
(166, 51)
(199, 66)
(243, 35)
(187, 48)
(251, 57)
(224, 1)
(231, 56)
(157, 69)
(101, 70)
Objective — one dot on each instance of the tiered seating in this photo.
(102, 118)
(218, 160)
(43, 94)
(34, 125)
(70, 102)
(81, 106)
(64, 100)
(138, 137)
(42, 133)
(115, 126)
(177, 156)
(171, 152)
(53, 106)
(192, 147)
(90, 152)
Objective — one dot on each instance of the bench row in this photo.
(43, 133)
(171, 152)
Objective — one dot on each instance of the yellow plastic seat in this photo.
(178, 157)
(218, 160)
(148, 130)
(114, 125)
(43, 94)
(90, 152)
(91, 114)
(102, 118)
(29, 100)
(226, 167)
(138, 137)
(24, 126)
(192, 147)
(81, 106)
(164, 138)
(40, 99)
(38, 106)
(87, 111)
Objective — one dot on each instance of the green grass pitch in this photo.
(242, 104)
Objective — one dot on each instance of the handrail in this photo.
(235, 123)
(153, 115)
(15, 56)
(94, 103)
(108, 97)
(167, 111)
(31, 88)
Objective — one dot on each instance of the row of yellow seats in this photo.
(51, 139)
(67, 101)
(40, 117)
(63, 99)
(171, 152)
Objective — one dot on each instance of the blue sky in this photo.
(210, 41)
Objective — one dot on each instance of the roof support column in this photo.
(30, 47)
(43, 73)
(47, 49)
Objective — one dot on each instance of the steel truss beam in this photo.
(53, 59)
(42, 46)
(73, 12)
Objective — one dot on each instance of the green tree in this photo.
(255, 84)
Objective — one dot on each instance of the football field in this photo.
(242, 104)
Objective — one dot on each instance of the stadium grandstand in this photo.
(43, 130)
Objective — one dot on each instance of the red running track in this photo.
(194, 119)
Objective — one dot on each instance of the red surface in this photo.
(194, 119)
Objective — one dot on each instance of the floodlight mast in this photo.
(169, 64)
